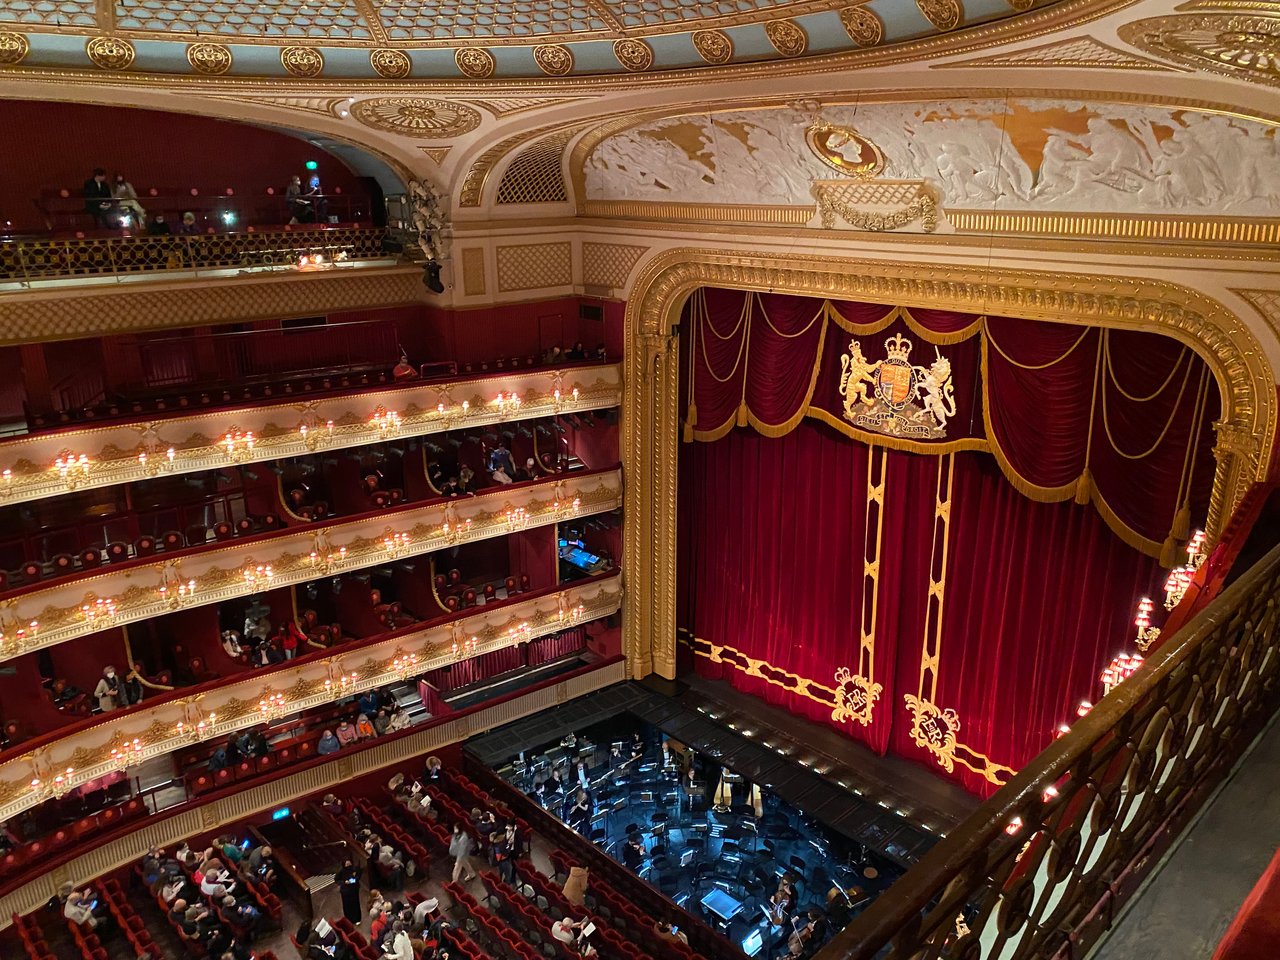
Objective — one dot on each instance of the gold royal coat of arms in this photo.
(892, 397)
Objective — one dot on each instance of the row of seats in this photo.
(35, 852)
(457, 594)
(118, 551)
(616, 893)
(195, 399)
(495, 932)
(614, 907)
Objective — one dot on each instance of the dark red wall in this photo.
(57, 146)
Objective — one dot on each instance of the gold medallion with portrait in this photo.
(844, 150)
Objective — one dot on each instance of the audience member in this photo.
(346, 734)
(109, 692)
(633, 853)
(97, 198)
(188, 227)
(399, 948)
(300, 210)
(460, 847)
(364, 729)
(328, 744)
(126, 198)
(159, 227)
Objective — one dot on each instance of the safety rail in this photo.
(1040, 869)
(35, 260)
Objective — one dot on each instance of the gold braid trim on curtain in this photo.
(897, 443)
(864, 329)
(1173, 415)
(986, 330)
(933, 336)
(1020, 483)
(1111, 375)
(1181, 527)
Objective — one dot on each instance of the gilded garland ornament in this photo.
(420, 117)
(787, 37)
(392, 64)
(943, 14)
(212, 59)
(110, 53)
(475, 62)
(635, 55)
(302, 61)
(1244, 47)
(13, 48)
(863, 26)
(713, 46)
(553, 59)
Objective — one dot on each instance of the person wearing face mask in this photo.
(127, 199)
(109, 692)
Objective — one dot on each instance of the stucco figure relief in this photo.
(1027, 154)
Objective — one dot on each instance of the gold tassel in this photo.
(1084, 487)
(742, 414)
(690, 421)
(1182, 523)
(1169, 553)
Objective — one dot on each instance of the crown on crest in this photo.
(898, 347)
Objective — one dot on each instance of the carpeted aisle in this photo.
(1254, 934)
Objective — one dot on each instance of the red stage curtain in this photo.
(1117, 418)
(773, 555)
(556, 646)
(1037, 596)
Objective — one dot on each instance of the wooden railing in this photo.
(29, 260)
(1040, 870)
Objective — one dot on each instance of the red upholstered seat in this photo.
(90, 558)
(172, 540)
(144, 546)
(117, 551)
(489, 592)
(32, 571)
(63, 563)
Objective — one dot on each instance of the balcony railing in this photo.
(42, 616)
(165, 726)
(28, 261)
(1041, 868)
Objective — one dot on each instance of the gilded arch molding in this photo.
(1246, 432)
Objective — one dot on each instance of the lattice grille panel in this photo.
(534, 176)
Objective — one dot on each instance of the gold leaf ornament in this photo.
(475, 62)
(110, 53)
(553, 59)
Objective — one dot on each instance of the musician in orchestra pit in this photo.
(579, 815)
(584, 777)
(633, 853)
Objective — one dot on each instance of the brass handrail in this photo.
(31, 260)
(1073, 831)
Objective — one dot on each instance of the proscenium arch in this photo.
(1246, 383)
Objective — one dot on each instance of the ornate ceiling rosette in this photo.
(787, 37)
(419, 117)
(635, 55)
(303, 62)
(475, 62)
(13, 48)
(864, 27)
(212, 59)
(713, 46)
(392, 64)
(553, 59)
(1240, 46)
(110, 53)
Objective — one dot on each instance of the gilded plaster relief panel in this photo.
(1026, 154)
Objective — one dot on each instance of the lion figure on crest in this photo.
(939, 394)
(855, 376)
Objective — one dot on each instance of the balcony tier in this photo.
(135, 450)
(40, 617)
(180, 721)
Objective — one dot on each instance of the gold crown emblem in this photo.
(898, 347)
